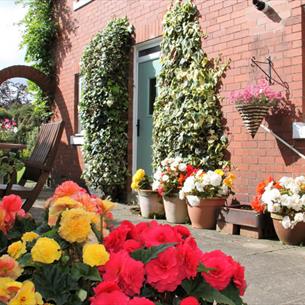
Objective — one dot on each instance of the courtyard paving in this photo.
(275, 273)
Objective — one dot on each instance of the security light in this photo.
(267, 10)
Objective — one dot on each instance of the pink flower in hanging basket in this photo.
(256, 94)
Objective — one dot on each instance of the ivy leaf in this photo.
(146, 255)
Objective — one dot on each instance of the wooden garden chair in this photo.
(39, 165)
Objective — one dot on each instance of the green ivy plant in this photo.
(187, 118)
(39, 33)
(104, 104)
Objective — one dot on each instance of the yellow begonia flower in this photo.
(134, 186)
(107, 205)
(58, 206)
(137, 178)
(75, 225)
(46, 250)
(219, 172)
(95, 255)
(29, 236)
(8, 288)
(16, 249)
(26, 295)
(229, 180)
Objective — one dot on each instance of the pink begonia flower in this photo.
(254, 93)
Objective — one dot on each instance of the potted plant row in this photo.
(187, 192)
(285, 201)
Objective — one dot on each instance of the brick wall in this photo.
(235, 29)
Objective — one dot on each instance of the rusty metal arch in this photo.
(30, 73)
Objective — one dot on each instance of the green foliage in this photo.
(146, 255)
(103, 107)
(40, 32)
(187, 119)
(55, 283)
(4, 113)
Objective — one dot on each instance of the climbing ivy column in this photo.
(104, 68)
(187, 119)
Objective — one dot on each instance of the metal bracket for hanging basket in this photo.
(270, 72)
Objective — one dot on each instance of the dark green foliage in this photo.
(146, 255)
(187, 119)
(40, 32)
(104, 105)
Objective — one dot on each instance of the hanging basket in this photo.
(252, 115)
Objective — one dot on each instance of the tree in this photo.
(14, 93)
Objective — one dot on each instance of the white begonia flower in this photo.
(155, 185)
(224, 190)
(271, 196)
(182, 167)
(173, 166)
(165, 178)
(199, 187)
(211, 178)
(273, 207)
(157, 174)
(302, 200)
(291, 202)
(299, 217)
(269, 186)
(300, 180)
(181, 195)
(290, 184)
(193, 200)
(178, 159)
(286, 223)
(189, 184)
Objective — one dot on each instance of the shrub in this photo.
(103, 107)
(187, 119)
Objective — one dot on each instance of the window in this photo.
(79, 3)
(77, 138)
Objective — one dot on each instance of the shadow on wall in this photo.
(67, 164)
(280, 122)
(67, 25)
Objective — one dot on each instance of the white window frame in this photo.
(80, 3)
(137, 48)
(78, 138)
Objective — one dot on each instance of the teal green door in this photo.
(147, 92)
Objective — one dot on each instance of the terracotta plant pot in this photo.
(150, 204)
(294, 236)
(175, 209)
(204, 216)
(252, 116)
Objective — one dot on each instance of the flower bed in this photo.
(76, 257)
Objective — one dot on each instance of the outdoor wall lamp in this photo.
(267, 10)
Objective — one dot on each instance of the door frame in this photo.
(137, 48)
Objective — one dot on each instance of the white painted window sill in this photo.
(77, 139)
(78, 4)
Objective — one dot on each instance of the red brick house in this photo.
(236, 29)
